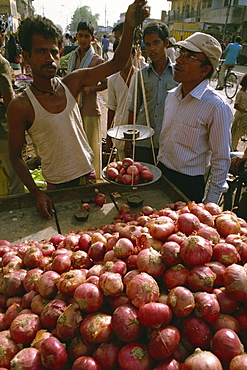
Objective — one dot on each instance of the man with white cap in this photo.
(195, 136)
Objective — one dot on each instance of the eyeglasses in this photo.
(186, 56)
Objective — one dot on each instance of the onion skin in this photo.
(201, 278)
(207, 306)
(135, 356)
(235, 281)
(196, 251)
(53, 354)
(27, 359)
(225, 253)
(96, 327)
(24, 328)
(227, 223)
(9, 348)
(168, 364)
(141, 289)
(69, 281)
(238, 362)
(195, 333)
(226, 344)
(31, 279)
(149, 260)
(163, 342)
(181, 300)
(68, 322)
(201, 360)
(155, 314)
(125, 323)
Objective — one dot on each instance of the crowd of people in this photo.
(193, 124)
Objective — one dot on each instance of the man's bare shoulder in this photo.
(21, 101)
(20, 109)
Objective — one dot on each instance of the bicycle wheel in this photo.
(213, 82)
(231, 85)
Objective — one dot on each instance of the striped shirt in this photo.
(196, 136)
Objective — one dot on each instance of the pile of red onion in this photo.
(154, 290)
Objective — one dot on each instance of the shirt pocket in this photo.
(189, 137)
(149, 91)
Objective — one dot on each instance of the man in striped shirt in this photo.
(195, 136)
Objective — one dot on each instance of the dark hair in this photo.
(157, 27)
(118, 27)
(86, 26)
(38, 26)
(238, 39)
(244, 81)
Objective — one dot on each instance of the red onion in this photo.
(32, 257)
(241, 316)
(209, 233)
(235, 279)
(78, 347)
(213, 208)
(178, 237)
(155, 314)
(141, 289)
(96, 327)
(207, 306)
(111, 284)
(201, 278)
(68, 323)
(219, 270)
(106, 354)
(201, 360)
(89, 297)
(86, 363)
(203, 215)
(69, 281)
(47, 284)
(27, 299)
(53, 354)
(196, 251)
(57, 239)
(9, 348)
(97, 251)
(238, 362)
(61, 263)
(27, 359)
(123, 248)
(118, 266)
(181, 300)
(40, 336)
(227, 304)
(81, 260)
(51, 312)
(150, 261)
(239, 244)
(161, 228)
(226, 344)
(195, 332)
(176, 276)
(227, 223)
(168, 364)
(11, 313)
(135, 356)
(11, 284)
(225, 253)
(38, 303)
(163, 342)
(71, 242)
(3, 323)
(125, 323)
(225, 321)
(188, 223)
(24, 328)
(170, 253)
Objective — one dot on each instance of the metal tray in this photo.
(155, 171)
(117, 132)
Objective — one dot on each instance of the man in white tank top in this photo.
(48, 109)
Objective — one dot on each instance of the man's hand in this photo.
(136, 13)
(236, 161)
(43, 203)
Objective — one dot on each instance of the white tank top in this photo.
(61, 140)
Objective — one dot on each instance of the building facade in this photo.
(16, 10)
(224, 19)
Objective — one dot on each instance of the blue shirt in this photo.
(156, 88)
(105, 43)
(231, 51)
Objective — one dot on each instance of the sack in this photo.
(18, 59)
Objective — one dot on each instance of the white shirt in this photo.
(196, 135)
